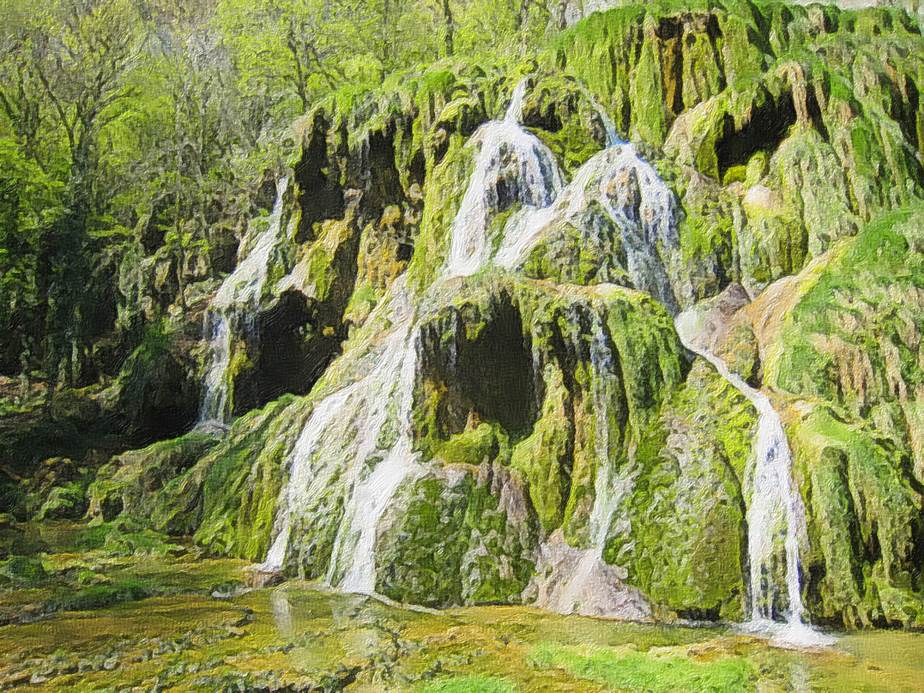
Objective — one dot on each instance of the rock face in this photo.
(456, 377)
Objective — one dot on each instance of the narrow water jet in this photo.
(233, 308)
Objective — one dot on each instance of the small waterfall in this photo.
(608, 491)
(612, 136)
(512, 166)
(348, 427)
(645, 208)
(371, 496)
(775, 507)
(215, 400)
(579, 9)
(636, 200)
(305, 482)
(233, 306)
(581, 581)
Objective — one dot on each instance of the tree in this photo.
(81, 54)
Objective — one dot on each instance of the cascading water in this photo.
(238, 296)
(576, 11)
(342, 440)
(347, 426)
(512, 166)
(634, 198)
(510, 155)
(775, 508)
(609, 487)
(370, 498)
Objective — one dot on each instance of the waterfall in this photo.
(579, 9)
(359, 438)
(304, 481)
(774, 501)
(348, 427)
(609, 488)
(512, 166)
(370, 497)
(612, 136)
(233, 307)
(636, 200)
(215, 400)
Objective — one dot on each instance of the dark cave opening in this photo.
(291, 350)
(767, 128)
(481, 374)
(321, 195)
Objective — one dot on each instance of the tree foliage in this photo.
(140, 131)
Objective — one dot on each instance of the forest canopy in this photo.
(134, 129)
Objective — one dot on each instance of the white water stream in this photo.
(235, 302)
(775, 509)
(512, 166)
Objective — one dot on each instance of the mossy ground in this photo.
(190, 629)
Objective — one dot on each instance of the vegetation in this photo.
(549, 415)
(135, 134)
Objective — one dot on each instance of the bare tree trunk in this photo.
(449, 21)
(562, 14)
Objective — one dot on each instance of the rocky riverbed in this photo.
(108, 608)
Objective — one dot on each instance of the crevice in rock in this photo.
(320, 196)
(903, 109)
(669, 32)
(766, 129)
(375, 168)
(815, 116)
(483, 372)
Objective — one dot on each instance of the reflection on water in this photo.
(299, 633)
(799, 677)
(282, 612)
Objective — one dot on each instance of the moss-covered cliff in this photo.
(777, 155)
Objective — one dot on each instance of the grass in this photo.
(469, 684)
(629, 670)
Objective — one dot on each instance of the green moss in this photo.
(475, 446)
(67, 502)
(687, 544)
(635, 671)
(543, 457)
(469, 684)
(100, 596)
(23, 570)
(442, 196)
(878, 266)
(132, 483)
(864, 520)
(238, 483)
(450, 542)
(735, 174)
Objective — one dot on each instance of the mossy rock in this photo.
(450, 540)
(132, 483)
(23, 570)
